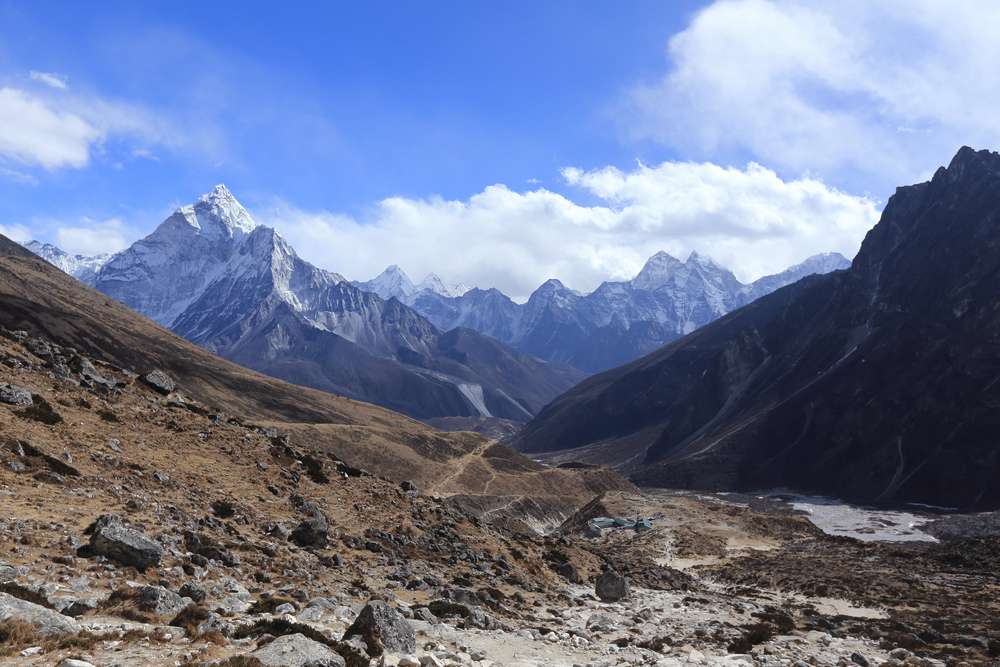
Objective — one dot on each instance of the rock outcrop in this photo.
(297, 650)
(112, 539)
(383, 629)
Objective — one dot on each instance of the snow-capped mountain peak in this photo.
(218, 215)
(393, 282)
(657, 272)
(438, 286)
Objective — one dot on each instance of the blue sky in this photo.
(494, 143)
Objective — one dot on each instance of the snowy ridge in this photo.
(669, 298)
(394, 283)
(79, 266)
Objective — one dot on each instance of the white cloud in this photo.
(19, 177)
(92, 237)
(50, 79)
(16, 232)
(749, 220)
(873, 92)
(143, 153)
(34, 134)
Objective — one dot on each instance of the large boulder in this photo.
(310, 533)
(158, 381)
(611, 586)
(14, 395)
(383, 628)
(297, 651)
(161, 601)
(48, 621)
(112, 539)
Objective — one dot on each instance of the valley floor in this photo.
(720, 580)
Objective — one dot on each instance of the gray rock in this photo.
(286, 608)
(81, 607)
(310, 533)
(215, 623)
(94, 376)
(424, 614)
(14, 395)
(611, 586)
(113, 540)
(39, 348)
(600, 620)
(569, 571)
(297, 651)
(383, 629)
(322, 603)
(409, 487)
(48, 621)
(859, 659)
(158, 381)
(161, 601)
(311, 614)
(194, 591)
(17, 466)
(478, 618)
(463, 596)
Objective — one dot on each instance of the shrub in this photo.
(190, 617)
(223, 509)
(40, 411)
(315, 470)
(24, 593)
(54, 464)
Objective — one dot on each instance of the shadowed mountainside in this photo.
(878, 383)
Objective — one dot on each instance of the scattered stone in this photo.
(112, 539)
(297, 651)
(158, 381)
(859, 659)
(71, 662)
(383, 629)
(410, 488)
(14, 395)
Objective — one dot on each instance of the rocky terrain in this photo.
(876, 384)
(139, 526)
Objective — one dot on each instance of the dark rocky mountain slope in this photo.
(879, 383)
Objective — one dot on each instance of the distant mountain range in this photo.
(616, 323)
(432, 351)
(880, 383)
(215, 276)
